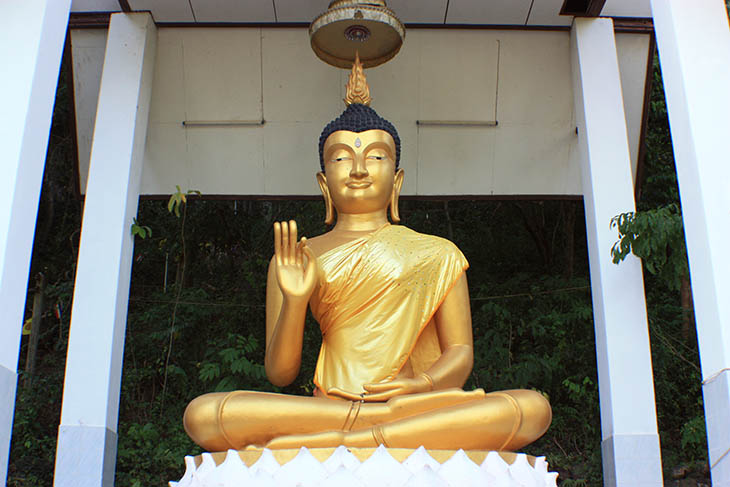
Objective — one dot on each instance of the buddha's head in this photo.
(359, 154)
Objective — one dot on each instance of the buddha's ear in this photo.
(329, 216)
(397, 185)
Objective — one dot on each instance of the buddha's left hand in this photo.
(382, 391)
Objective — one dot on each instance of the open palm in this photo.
(296, 268)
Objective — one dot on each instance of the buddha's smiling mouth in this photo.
(359, 184)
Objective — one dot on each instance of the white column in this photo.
(32, 34)
(87, 436)
(694, 49)
(630, 446)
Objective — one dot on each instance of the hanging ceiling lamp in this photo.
(350, 26)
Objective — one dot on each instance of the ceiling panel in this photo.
(95, 6)
(627, 8)
(233, 10)
(546, 12)
(499, 12)
(165, 10)
(421, 12)
(299, 10)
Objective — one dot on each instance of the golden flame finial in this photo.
(358, 90)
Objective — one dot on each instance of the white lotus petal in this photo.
(495, 465)
(426, 477)
(341, 456)
(343, 476)
(416, 461)
(522, 472)
(551, 479)
(206, 467)
(232, 472)
(263, 479)
(301, 471)
(382, 470)
(541, 466)
(460, 471)
(266, 463)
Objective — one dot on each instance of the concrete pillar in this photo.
(87, 436)
(32, 35)
(630, 446)
(694, 49)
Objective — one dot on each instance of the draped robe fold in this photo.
(375, 302)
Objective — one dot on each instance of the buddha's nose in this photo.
(359, 169)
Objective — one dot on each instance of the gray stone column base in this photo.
(78, 463)
(8, 385)
(632, 461)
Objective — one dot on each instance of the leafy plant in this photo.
(178, 199)
(142, 230)
(657, 237)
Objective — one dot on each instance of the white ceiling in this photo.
(477, 12)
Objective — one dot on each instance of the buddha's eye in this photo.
(340, 159)
(376, 157)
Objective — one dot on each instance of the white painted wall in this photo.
(250, 73)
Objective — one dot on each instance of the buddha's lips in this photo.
(359, 184)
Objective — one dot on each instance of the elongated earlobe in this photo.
(329, 216)
(397, 185)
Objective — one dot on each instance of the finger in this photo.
(344, 394)
(277, 242)
(292, 241)
(285, 243)
(300, 252)
(311, 258)
(310, 273)
(383, 386)
(382, 396)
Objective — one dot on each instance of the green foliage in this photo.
(142, 230)
(230, 368)
(178, 199)
(694, 437)
(657, 237)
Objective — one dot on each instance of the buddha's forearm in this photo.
(284, 350)
(453, 367)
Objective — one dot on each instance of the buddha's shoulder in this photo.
(320, 244)
(400, 234)
(391, 235)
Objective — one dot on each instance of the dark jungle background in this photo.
(196, 313)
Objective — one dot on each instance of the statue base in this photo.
(365, 467)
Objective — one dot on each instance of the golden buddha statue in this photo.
(393, 308)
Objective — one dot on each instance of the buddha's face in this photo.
(359, 168)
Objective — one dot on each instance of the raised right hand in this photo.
(296, 277)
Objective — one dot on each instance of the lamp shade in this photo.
(367, 27)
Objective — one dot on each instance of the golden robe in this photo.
(376, 297)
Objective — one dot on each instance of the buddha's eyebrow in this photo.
(337, 146)
(378, 144)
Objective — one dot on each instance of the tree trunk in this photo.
(535, 225)
(35, 330)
